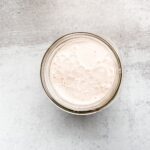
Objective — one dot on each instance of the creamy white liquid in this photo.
(83, 74)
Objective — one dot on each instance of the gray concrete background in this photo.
(28, 120)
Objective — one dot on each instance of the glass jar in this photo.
(84, 42)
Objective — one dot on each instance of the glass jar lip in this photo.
(87, 112)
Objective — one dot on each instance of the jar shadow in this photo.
(74, 126)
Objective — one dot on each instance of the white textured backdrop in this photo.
(28, 120)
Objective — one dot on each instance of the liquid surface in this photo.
(83, 73)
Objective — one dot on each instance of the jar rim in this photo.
(86, 112)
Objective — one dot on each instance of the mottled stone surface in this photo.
(28, 120)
